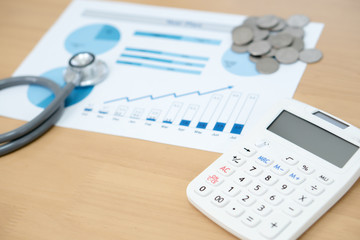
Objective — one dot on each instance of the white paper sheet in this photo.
(173, 76)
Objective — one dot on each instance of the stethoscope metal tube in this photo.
(82, 68)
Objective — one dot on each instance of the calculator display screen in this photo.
(313, 138)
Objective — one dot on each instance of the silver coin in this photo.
(295, 32)
(298, 21)
(280, 26)
(242, 35)
(250, 22)
(260, 34)
(267, 21)
(254, 59)
(239, 48)
(287, 55)
(298, 44)
(310, 55)
(259, 48)
(281, 40)
(271, 53)
(267, 65)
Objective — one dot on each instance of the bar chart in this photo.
(219, 110)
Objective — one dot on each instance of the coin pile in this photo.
(271, 40)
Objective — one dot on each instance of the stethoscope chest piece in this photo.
(85, 70)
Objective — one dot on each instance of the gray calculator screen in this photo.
(313, 138)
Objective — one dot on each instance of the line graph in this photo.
(151, 97)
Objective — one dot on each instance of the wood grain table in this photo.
(73, 184)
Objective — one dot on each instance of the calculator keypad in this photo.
(262, 191)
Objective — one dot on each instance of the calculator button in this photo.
(237, 160)
(247, 151)
(306, 168)
(284, 188)
(268, 179)
(273, 225)
(234, 209)
(263, 209)
(303, 199)
(203, 190)
(296, 177)
(250, 219)
(291, 160)
(292, 209)
(279, 169)
(226, 170)
(314, 188)
(242, 179)
(214, 179)
(219, 199)
(257, 188)
(231, 189)
(253, 170)
(324, 179)
(264, 160)
(273, 198)
(246, 199)
(262, 143)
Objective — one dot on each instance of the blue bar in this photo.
(164, 60)
(219, 126)
(185, 123)
(167, 122)
(201, 125)
(167, 53)
(178, 37)
(88, 109)
(102, 112)
(159, 67)
(237, 128)
(151, 119)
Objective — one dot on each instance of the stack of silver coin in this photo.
(271, 40)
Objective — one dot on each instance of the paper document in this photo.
(173, 77)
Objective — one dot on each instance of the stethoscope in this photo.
(83, 70)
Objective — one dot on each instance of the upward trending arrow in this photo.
(151, 97)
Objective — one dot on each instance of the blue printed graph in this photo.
(178, 37)
(175, 95)
(163, 60)
(238, 64)
(42, 97)
(95, 38)
(218, 110)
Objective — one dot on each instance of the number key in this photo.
(284, 187)
(241, 179)
(219, 200)
(268, 179)
(262, 209)
(246, 199)
(253, 170)
(273, 198)
(231, 189)
(203, 190)
(257, 189)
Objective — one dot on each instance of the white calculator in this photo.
(280, 179)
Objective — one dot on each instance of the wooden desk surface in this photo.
(73, 184)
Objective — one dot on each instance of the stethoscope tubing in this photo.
(27, 133)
